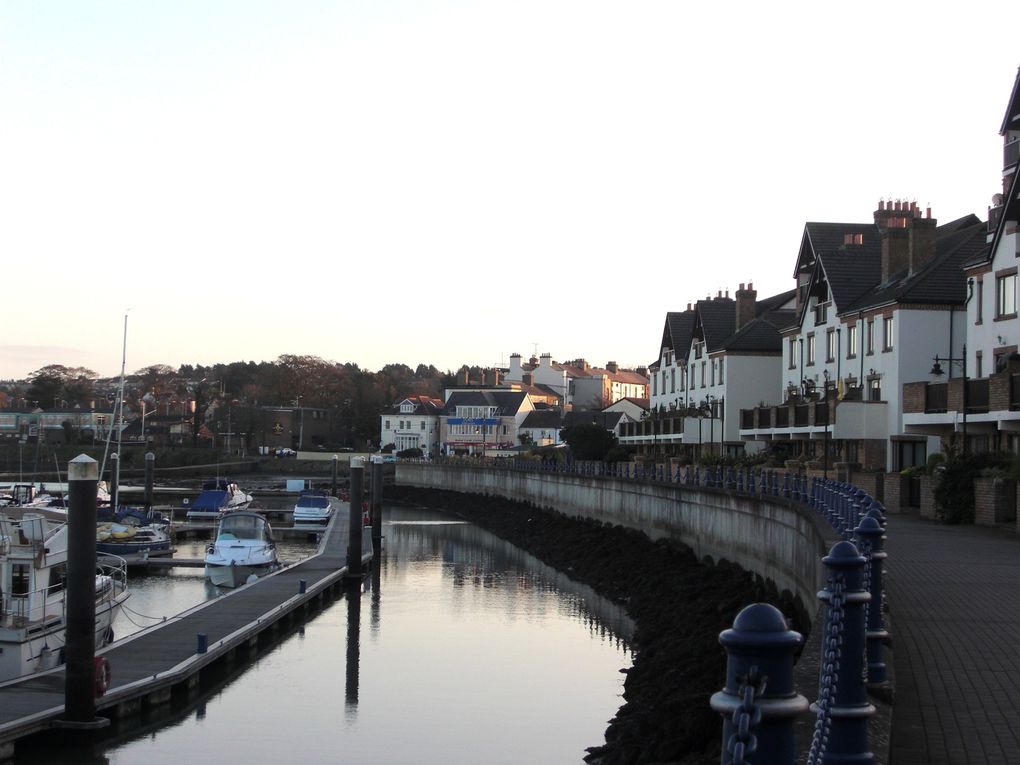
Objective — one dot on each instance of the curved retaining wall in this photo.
(781, 541)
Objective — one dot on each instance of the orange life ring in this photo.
(104, 675)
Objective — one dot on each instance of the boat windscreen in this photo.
(312, 501)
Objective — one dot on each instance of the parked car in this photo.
(283, 451)
(389, 458)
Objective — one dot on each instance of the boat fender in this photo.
(211, 549)
(103, 674)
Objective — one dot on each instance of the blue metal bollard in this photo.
(841, 728)
(203, 643)
(786, 485)
(302, 586)
(764, 482)
(697, 475)
(870, 534)
(759, 684)
(740, 481)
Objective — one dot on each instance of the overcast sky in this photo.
(452, 182)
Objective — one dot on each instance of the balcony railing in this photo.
(1010, 154)
(801, 415)
(977, 395)
(746, 418)
(764, 417)
(936, 398)
(783, 417)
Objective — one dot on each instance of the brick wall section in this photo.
(927, 497)
(994, 501)
(894, 490)
(872, 483)
(914, 397)
(998, 392)
(872, 453)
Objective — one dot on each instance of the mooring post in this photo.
(353, 595)
(841, 727)
(759, 703)
(150, 479)
(870, 534)
(201, 643)
(332, 483)
(80, 647)
(377, 492)
(114, 482)
(356, 524)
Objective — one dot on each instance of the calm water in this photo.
(460, 649)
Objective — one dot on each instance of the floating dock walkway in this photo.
(150, 666)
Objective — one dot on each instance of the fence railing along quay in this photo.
(759, 702)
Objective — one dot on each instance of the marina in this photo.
(472, 648)
(151, 665)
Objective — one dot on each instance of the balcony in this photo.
(977, 396)
(1010, 154)
(936, 397)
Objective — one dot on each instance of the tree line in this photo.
(354, 397)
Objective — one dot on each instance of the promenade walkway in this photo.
(954, 599)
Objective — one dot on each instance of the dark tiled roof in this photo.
(508, 402)
(784, 318)
(819, 238)
(717, 319)
(775, 303)
(676, 334)
(546, 418)
(758, 335)
(940, 281)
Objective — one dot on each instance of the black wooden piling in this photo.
(332, 491)
(353, 596)
(377, 492)
(356, 523)
(80, 648)
(150, 478)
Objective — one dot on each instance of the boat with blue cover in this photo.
(218, 496)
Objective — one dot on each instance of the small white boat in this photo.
(33, 569)
(243, 548)
(217, 497)
(314, 508)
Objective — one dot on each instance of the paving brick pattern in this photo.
(954, 600)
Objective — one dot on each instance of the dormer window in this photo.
(821, 313)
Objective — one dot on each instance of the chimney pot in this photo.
(929, 213)
(741, 286)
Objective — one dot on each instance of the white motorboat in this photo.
(33, 569)
(217, 497)
(243, 548)
(314, 508)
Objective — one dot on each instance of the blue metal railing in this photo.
(759, 703)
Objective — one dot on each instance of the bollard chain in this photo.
(746, 717)
(831, 655)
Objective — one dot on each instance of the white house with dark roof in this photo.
(413, 423)
(862, 289)
(541, 427)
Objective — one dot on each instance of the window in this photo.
(810, 350)
(720, 371)
(697, 350)
(423, 425)
(980, 302)
(713, 371)
(1005, 295)
(875, 389)
(887, 333)
(387, 424)
(979, 359)
(672, 380)
(851, 341)
(821, 313)
(830, 345)
(702, 374)
(655, 385)
(871, 336)
(793, 353)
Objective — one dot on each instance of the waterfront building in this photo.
(412, 423)
(862, 289)
(577, 383)
(482, 421)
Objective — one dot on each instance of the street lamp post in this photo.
(936, 371)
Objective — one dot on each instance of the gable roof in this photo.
(757, 336)
(1011, 120)
(716, 321)
(678, 330)
(507, 402)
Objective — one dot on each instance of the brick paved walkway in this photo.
(954, 604)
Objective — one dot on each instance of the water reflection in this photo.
(487, 655)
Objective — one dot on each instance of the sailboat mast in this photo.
(118, 408)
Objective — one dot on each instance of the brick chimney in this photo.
(528, 378)
(908, 239)
(746, 302)
(612, 366)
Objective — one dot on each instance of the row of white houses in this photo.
(840, 367)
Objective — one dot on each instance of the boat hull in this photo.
(235, 575)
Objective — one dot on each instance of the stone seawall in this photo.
(781, 541)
